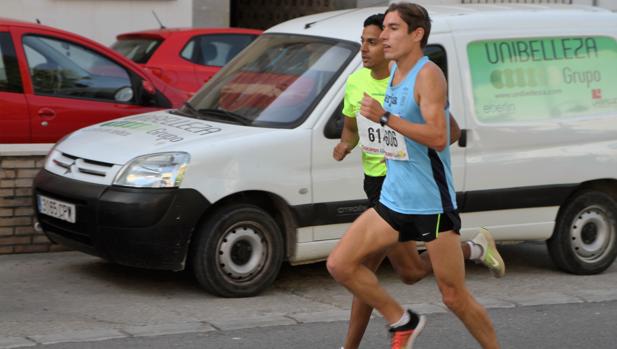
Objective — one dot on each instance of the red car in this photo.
(53, 82)
(185, 58)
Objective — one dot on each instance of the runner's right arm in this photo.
(349, 139)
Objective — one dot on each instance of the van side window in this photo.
(535, 79)
(63, 69)
(10, 78)
(215, 50)
(334, 126)
(437, 54)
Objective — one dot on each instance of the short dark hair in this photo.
(376, 19)
(415, 16)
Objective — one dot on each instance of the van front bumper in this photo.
(146, 228)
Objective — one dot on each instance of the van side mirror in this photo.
(334, 127)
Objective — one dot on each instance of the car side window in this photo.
(64, 69)
(215, 50)
(189, 51)
(10, 78)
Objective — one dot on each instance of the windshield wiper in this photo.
(190, 107)
(186, 110)
(221, 112)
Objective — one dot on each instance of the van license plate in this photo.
(56, 208)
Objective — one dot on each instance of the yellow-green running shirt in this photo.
(359, 82)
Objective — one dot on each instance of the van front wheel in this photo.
(585, 237)
(238, 251)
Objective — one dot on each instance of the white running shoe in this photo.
(490, 256)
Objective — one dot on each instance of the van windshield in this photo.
(274, 82)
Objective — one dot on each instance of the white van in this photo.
(242, 177)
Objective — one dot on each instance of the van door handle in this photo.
(46, 113)
(462, 140)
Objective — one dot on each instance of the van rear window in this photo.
(534, 79)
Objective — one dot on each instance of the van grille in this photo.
(95, 168)
(86, 170)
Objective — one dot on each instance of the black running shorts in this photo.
(372, 188)
(418, 227)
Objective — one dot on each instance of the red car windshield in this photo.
(276, 81)
(139, 50)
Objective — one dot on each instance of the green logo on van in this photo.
(129, 125)
(521, 80)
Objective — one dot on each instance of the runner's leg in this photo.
(408, 264)
(449, 270)
(411, 267)
(360, 311)
(368, 235)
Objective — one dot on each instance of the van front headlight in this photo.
(163, 170)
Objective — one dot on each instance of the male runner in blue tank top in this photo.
(417, 201)
(373, 78)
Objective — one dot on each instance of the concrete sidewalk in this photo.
(73, 297)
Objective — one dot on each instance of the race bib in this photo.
(375, 139)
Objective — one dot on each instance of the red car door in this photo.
(14, 117)
(69, 84)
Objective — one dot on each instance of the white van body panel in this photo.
(538, 153)
(120, 140)
(219, 152)
(281, 154)
(494, 153)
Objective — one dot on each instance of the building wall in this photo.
(263, 14)
(101, 20)
(211, 13)
(17, 234)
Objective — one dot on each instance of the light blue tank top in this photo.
(423, 184)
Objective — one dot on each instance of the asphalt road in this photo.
(562, 326)
(59, 298)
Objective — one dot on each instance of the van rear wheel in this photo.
(585, 237)
(238, 251)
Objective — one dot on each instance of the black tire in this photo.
(585, 238)
(237, 252)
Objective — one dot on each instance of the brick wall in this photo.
(17, 234)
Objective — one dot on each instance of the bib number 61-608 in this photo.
(375, 139)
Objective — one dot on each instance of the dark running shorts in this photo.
(418, 227)
(372, 188)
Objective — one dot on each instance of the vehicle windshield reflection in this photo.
(276, 81)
